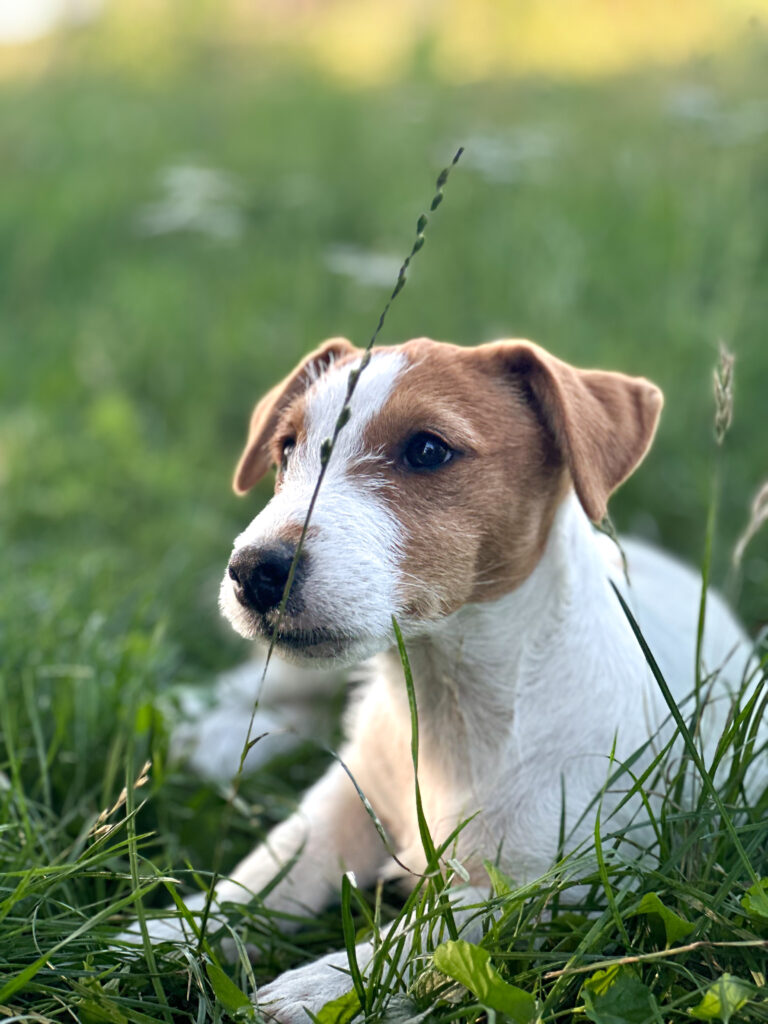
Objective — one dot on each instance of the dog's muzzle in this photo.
(259, 575)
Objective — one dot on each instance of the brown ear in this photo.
(603, 423)
(255, 460)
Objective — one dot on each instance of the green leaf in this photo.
(722, 999)
(91, 1011)
(755, 900)
(348, 926)
(676, 928)
(617, 996)
(226, 991)
(340, 1010)
(502, 885)
(471, 966)
(145, 716)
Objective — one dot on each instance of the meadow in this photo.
(170, 245)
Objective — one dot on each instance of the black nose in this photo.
(260, 575)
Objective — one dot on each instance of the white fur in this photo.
(212, 726)
(513, 695)
(353, 548)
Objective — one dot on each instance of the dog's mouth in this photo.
(291, 639)
(302, 644)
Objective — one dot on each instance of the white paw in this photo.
(287, 998)
(212, 722)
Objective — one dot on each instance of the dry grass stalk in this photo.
(757, 517)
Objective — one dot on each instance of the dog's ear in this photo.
(255, 460)
(603, 423)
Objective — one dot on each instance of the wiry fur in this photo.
(527, 674)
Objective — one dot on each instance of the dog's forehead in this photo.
(417, 374)
(325, 398)
(313, 416)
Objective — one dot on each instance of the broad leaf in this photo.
(617, 996)
(755, 900)
(471, 966)
(226, 991)
(502, 886)
(676, 928)
(340, 1010)
(89, 1011)
(722, 999)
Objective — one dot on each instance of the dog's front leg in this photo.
(329, 834)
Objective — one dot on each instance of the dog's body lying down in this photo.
(459, 500)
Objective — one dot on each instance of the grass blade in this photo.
(433, 860)
(348, 926)
(688, 740)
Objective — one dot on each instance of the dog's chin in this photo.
(318, 648)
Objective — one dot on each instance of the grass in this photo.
(634, 240)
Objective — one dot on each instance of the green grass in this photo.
(129, 365)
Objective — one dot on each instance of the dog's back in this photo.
(664, 595)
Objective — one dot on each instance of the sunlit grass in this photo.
(379, 40)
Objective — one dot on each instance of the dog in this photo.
(459, 500)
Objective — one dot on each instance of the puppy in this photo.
(459, 500)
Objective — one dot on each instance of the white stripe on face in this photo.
(352, 549)
(323, 404)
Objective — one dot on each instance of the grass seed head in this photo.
(723, 381)
(757, 518)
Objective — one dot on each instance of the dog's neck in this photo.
(480, 661)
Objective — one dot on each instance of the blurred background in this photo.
(194, 193)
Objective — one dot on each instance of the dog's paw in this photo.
(287, 998)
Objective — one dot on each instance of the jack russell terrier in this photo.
(459, 500)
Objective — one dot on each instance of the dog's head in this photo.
(441, 489)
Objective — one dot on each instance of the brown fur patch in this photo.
(602, 422)
(474, 528)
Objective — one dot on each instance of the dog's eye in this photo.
(426, 451)
(286, 454)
